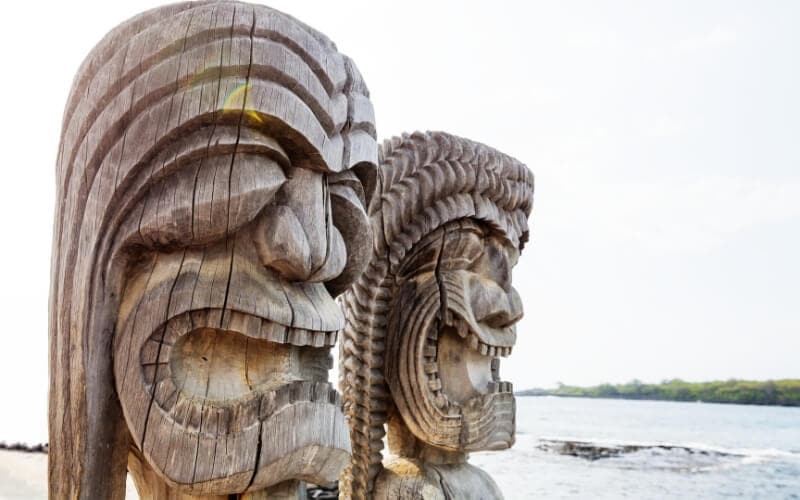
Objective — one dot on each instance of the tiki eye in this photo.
(497, 261)
(207, 199)
(463, 246)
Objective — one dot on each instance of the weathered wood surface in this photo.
(210, 205)
(430, 318)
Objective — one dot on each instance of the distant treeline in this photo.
(771, 392)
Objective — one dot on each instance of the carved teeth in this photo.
(474, 342)
(299, 337)
(154, 352)
(495, 369)
(300, 391)
(239, 322)
(154, 373)
(246, 324)
(166, 394)
(462, 328)
(302, 337)
(234, 418)
(485, 349)
(500, 387)
(331, 338)
(274, 332)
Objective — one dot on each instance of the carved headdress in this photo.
(178, 130)
(425, 182)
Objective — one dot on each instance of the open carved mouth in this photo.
(237, 371)
(463, 362)
(205, 368)
(222, 392)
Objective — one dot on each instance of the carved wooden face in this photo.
(452, 320)
(227, 318)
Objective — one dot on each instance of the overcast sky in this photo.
(665, 139)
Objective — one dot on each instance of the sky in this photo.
(663, 137)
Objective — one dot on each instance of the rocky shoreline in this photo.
(26, 448)
(589, 450)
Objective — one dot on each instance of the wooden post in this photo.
(430, 318)
(210, 207)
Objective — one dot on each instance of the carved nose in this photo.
(514, 312)
(497, 308)
(296, 236)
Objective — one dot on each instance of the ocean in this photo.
(659, 450)
(652, 450)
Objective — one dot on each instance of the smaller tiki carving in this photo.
(429, 319)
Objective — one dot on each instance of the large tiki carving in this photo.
(210, 206)
(430, 317)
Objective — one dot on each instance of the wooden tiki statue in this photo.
(430, 317)
(210, 206)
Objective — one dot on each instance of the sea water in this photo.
(683, 451)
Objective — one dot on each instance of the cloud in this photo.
(717, 37)
(665, 216)
(666, 126)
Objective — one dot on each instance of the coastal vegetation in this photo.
(770, 392)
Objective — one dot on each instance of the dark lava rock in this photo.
(27, 448)
(596, 451)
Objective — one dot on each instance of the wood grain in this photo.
(210, 206)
